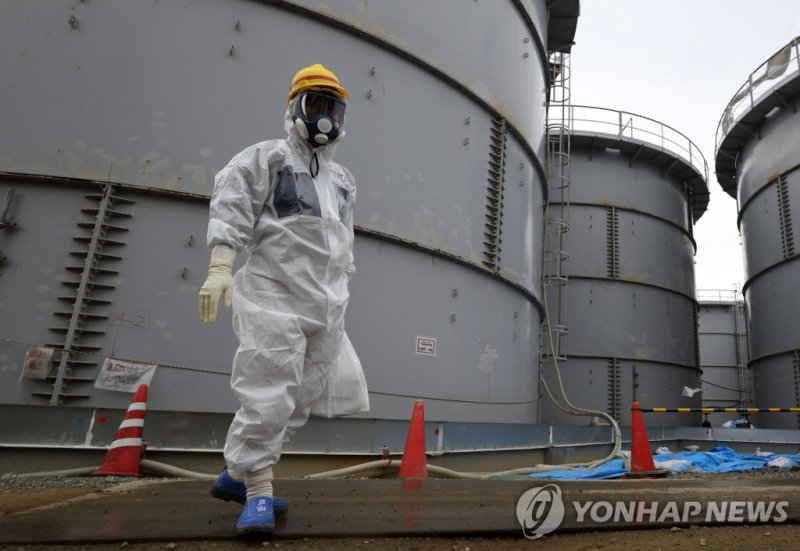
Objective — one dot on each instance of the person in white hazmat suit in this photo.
(290, 207)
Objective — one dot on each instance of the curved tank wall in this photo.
(758, 162)
(722, 331)
(122, 112)
(629, 304)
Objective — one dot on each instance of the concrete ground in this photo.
(386, 514)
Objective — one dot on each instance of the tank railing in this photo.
(624, 124)
(718, 295)
(780, 67)
(622, 127)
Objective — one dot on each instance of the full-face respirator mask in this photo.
(319, 116)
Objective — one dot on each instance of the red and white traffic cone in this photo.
(125, 452)
(642, 464)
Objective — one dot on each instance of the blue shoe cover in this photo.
(257, 516)
(227, 488)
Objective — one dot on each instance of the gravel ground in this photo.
(16, 483)
(725, 538)
(19, 493)
(748, 475)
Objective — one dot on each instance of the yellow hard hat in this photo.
(315, 76)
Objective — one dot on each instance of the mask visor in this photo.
(315, 105)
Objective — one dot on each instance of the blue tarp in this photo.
(610, 469)
(718, 460)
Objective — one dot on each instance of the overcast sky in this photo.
(680, 62)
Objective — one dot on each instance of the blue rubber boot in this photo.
(257, 517)
(227, 488)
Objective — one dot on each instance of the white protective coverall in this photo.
(290, 297)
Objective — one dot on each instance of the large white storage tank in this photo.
(758, 163)
(118, 115)
(727, 381)
(627, 306)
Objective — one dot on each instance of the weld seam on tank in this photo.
(629, 282)
(32, 178)
(782, 262)
(430, 69)
(772, 355)
(665, 363)
(338, 23)
(675, 225)
(43, 179)
(83, 354)
(528, 294)
(460, 401)
(764, 187)
(768, 187)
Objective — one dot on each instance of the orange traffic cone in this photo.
(414, 464)
(642, 464)
(123, 456)
(641, 456)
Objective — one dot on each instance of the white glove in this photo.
(218, 283)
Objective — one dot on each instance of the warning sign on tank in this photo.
(426, 346)
(37, 363)
(124, 376)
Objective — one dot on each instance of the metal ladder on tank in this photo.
(557, 166)
(742, 354)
